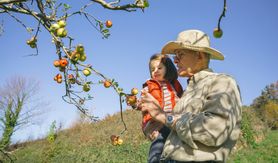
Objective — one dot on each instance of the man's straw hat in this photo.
(192, 40)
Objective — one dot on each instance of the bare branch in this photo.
(113, 6)
(20, 22)
(40, 6)
(222, 14)
(16, 10)
(4, 2)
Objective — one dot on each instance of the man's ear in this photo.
(200, 56)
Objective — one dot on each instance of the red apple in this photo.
(59, 81)
(106, 84)
(59, 76)
(71, 76)
(56, 63)
(63, 62)
(108, 24)
(131, 100)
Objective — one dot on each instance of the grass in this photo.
(62, 153)
(266, 151)
(90, 142)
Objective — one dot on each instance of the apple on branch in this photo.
(86, 72)
(217, 32)
(134, 91)
(62, 23)
(108, 24)
(106, 84)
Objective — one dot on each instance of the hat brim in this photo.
(171, 46)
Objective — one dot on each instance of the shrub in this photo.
(52, 133)
(252, 128)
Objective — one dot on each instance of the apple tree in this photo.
(74, 72)
(52, 15)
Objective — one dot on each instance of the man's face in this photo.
(185, 61)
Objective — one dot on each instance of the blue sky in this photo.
(249, 44)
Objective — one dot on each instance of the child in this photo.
(164, 87)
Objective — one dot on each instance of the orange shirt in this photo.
(155, 89)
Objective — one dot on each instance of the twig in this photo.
(86, 16)
(222, 15)
(127, 7)
(122, 119)
(19, 21)
(4, 2)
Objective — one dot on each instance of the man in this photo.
(205, 123)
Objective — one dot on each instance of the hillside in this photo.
(85, 142)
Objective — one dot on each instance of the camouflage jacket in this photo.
(208, 119)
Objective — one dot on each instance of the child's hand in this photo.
(150, 104)
(139, 101)
(137, 105)
(153, 135)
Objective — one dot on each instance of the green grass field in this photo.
(265, 152)
(90, 142)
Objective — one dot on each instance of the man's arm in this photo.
(218, 117)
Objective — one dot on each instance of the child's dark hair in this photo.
(171, 71)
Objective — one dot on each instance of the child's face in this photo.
(158, 70)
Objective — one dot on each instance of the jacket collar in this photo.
(199, 76)
(156, 81)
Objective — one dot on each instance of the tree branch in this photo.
(40, 6)
(5, 2)
(112, 6)
(222, 14)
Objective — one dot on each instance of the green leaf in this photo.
(146, 3)
(66, 6)
(120, 89)
(106, 35)
(116, 84)
(100, 26)
(122, 94)
(105, 31)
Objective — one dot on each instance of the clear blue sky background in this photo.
(249, 44)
